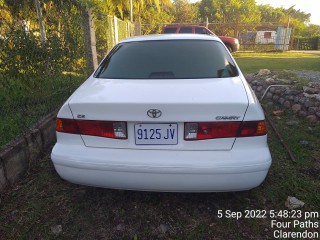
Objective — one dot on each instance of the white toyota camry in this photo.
(164, 113)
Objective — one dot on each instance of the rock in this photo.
(269, 95)
(275, 97)
(318, 114)
(249, 77)
(270, 80)
(312, 119)
(262, 72)
(291, 98)
(302, 100)
(259, 89)
(278, 113)
(314, 85)
(164, 228)
(311, 90)
(120, 227)
(281, 100)
(292, 123)
(272, 89)
(293, 203)
(278, 91)
(255, 82)
(302, 114)
(296, 108)
(312, 110)
(312, 96)
(287, 104)
(56, 230)
(270, 104)
(304, 143)
(308, 103)
(296, 99)
(293, 92)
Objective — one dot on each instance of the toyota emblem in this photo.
(154, 113)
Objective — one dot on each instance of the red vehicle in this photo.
(231, 43)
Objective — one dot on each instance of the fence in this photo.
(252, 37)
(109, 31)
(39, 72)
(306, 43)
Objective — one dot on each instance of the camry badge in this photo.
(154, 113)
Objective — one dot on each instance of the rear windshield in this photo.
(173, 59)
(185, 30)
(170, 30)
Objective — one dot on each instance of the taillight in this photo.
(253, 128)
(67, 126)
(108, 129)
(212, 130)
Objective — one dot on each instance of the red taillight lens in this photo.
(253, 128)
(212, 130)
(108, 129)
(67, 126)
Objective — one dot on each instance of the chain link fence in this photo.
(252, 36)
(109, 31)
(37, 75)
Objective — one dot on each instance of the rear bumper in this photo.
(159, 170)
(235, 47)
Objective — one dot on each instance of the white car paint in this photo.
(224, 164)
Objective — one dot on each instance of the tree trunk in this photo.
(41, 23)
(90, 40)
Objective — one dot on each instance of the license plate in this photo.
(156, 134)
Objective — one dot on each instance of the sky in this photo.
(307, 6)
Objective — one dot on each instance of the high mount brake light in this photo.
(212, 130)
(108, 129)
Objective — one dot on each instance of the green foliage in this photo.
(32, 80)
(224, 12)
(185, 12)
(311, 30)
(270, 14)
(151, 18)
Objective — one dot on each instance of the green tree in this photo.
(185, 12)
(270, 14)
(224, 12)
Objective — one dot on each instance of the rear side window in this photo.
(185, 30)
(170, 30)
(200, 31)
(172, 59)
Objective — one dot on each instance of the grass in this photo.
(252, 62)
(42, 200)
(25, 103)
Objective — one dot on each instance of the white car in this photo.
(164, 113)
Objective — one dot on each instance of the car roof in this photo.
(180, 26)
(162, 37)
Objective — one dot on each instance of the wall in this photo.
(25, 152)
